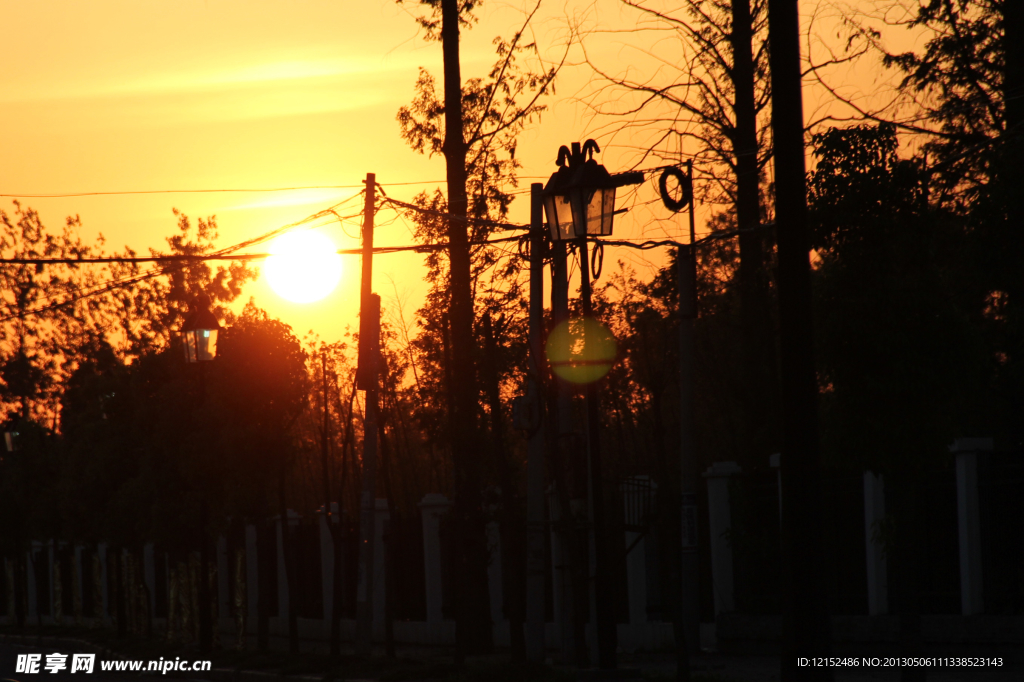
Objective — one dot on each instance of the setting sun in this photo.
(304, 266)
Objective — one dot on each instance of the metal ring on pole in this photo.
(596, 260)
(685, 184)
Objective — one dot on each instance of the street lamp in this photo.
(579, 201)
(199, 332)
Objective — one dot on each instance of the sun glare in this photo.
(303, 267)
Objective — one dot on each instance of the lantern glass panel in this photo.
(189, 344)
(200, 345)
(607, 210)
(559, 215)
(208, 344)
(598, 207)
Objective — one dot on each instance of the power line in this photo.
(66, 195)
(178, 260)
(195, 258)
(173, 262)
(203, 191)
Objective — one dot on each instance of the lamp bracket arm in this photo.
(630, 178)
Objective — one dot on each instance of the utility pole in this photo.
(535, 453)
(757, 347)
(805, 622)
(369, 347)
(333, 521)
(205, 610)
(570, 493)
(607, 637)
(688, 638)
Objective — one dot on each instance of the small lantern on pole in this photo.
(199, 332)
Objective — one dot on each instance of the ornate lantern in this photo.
(579, 199)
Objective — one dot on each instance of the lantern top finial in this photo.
(200, 316)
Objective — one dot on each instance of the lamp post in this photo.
(579, 201)
(199, 335)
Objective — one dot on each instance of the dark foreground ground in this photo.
(414, 664)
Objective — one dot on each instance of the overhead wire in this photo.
(64, 195)
(229, 253)
(171, 263)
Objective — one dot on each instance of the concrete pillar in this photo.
(638, 500)
(148, 575)
(774, 461)
(720, 520)
(561, 581)
(380, 517)
(494, 585)
(224, 576)
(966, 451)
(30, 574)
(282, 571)
(252, 585)
(51, 557)
(80, 586)
(327, 564)
(432, 507)
(282, 574)
(10, 575)
(557, 559)
(103, 609)
(874, 514)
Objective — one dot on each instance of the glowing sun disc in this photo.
(303, 267)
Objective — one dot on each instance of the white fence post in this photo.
(432, 507)
(969, 521)
(877, 568)
(720, 520)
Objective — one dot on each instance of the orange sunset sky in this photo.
(129, 96)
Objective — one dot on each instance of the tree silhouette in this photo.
(713, 99)
(42, 320)
(474, 125)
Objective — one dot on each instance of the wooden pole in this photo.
(805, 624)
(687, 633)
(535, 452)
(369, 340)
(607, 637)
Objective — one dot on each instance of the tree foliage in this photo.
(496, 109)
(691, 96)
(957, 79)
(43, 318)
(901, 366)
